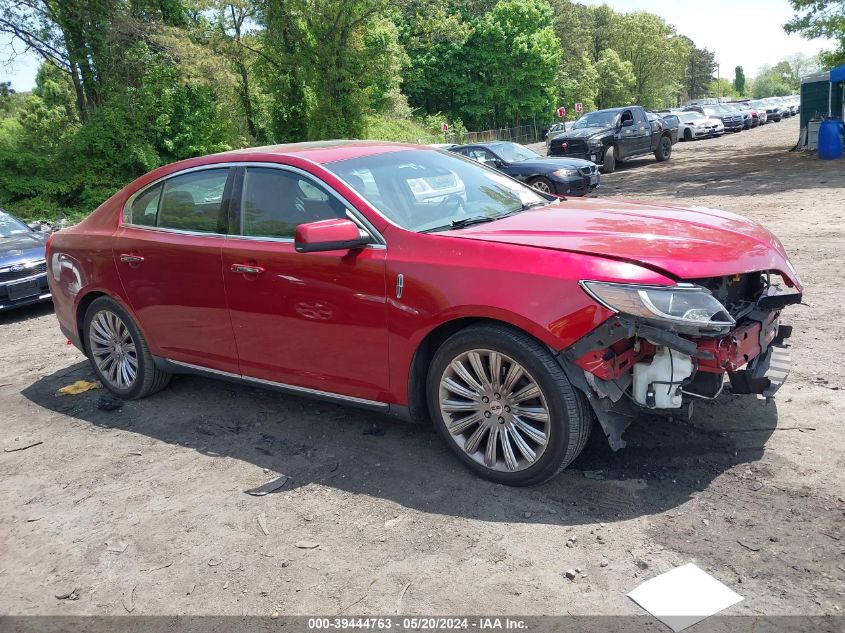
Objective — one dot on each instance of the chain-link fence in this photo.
(524, 134)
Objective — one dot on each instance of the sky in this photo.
(745, 33)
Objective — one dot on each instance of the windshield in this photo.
(10, 226)
(605, 118)
(422, 190)
(689, 117)
(513, 152)
(713, 110)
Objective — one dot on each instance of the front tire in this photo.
(542, 184)
(609, 161)
(664, 149)
(118, 352)
(687, 135)
(505, 407)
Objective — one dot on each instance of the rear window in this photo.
(144, 209)
(194, 202)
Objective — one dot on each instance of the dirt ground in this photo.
(143, 509)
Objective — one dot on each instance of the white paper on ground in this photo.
(684, 596)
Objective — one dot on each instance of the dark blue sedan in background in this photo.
(560, 176)
(23, 269)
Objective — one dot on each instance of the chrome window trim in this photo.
(281, 385)
(161, 229)
(357, 217)
(160, 180)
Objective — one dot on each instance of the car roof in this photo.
(323, 151)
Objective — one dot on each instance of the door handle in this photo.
(126, 258)
(247, 269)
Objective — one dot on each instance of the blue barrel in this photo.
(830, 139)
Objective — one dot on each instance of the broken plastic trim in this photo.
(621, 327)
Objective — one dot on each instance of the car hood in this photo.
(585, 132)
(685, 243)
(21, 248)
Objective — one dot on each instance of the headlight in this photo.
(565, 173)
(691, 308)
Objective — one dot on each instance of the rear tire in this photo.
(118, 352)
(533, 422)
(609, 160)
(664, 149)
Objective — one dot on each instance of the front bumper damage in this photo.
(753, 357)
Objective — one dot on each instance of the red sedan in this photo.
(418, 283)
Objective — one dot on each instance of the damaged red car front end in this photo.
(715, 324)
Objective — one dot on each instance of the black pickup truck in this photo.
(607, 136)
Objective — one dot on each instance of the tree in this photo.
(434, 38)
(232, 18)
(699, 73)
(659, 57)
(773, 81)
(616, 80)
(801, 65)
(324, 61)
(722, 88)
(739, 81)
(578, 81)
(820, 18)
(6, 92)
(508, 52)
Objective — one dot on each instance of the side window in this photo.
(626, 116)
(640, 117)
(194, 202)
(145, 208)
(275, 202)
(483, 156)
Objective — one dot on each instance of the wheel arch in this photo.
(427, 348)
(84, 303)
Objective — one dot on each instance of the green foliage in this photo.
(616, 80)
(506, 53)
(821, 18)
(722, 88)
(659, 57)
(578, 81)
(128, 85)
(326, 64)
(700, 69)
(775, 81)
(739, 86)
(476, 66)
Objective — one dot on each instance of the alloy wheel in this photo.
(494, 410)
(113, 349)
(542, 185)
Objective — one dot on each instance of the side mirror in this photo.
(329, 235)
(627, 122)
(498, 163)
